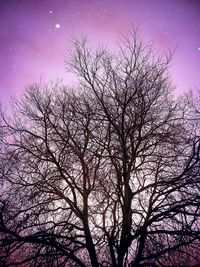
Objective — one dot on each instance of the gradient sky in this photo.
(34, 36)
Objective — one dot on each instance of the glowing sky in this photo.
(34, 35)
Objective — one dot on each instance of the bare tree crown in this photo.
(105, 174)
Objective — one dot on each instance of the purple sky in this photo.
(34, 35)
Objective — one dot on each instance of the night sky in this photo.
(34, 36)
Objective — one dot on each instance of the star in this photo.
(198, 48)
(57, 25)
(50, 11)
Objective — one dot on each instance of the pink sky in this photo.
(33, 48)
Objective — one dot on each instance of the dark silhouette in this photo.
(105, 174)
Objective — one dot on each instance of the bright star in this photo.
(57, 25)
(199, 48)
(50, 11)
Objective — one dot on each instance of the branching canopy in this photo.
(104, 174)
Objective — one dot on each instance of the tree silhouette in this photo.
(104, 174)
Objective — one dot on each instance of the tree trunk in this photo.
(91, 247)
(136, 262)
(126, 225)
(112, 253)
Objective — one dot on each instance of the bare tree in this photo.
(106, 174)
